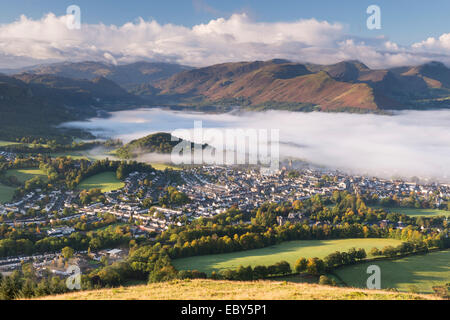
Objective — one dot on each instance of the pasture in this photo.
(6, 193)
(289, 251)
(412, 212)
(23, 175)
(417, 273)
(106, 181)
(163, 166)
(7, 143)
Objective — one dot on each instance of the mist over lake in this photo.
(406, 144)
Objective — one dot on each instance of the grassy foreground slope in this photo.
(289, 251)
(418, 273)
(234, 290)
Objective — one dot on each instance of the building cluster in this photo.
(212, 190)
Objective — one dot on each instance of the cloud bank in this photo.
(408, 144)
(236, 38)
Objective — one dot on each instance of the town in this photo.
(209, 191)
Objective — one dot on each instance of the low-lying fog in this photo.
(407, 144)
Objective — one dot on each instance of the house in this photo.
(114, 253)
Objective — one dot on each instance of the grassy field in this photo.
(75, 155)
(106, 181)
(412, 212)
(26, 174)
(235, 290)
(289, 251)
(6, 193)
(90, 154)
(414, 273)
(162, 166)
(10, 143)
(7, 143)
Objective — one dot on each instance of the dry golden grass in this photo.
(234, 290)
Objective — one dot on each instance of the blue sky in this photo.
(205, 32)
(403, 22)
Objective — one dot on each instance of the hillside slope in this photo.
(345, 85)
(275, 81)
(44, 101)
(159, 142)
(126, 75)
(235, 290)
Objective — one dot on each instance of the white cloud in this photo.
(441, 44)
(235, 38)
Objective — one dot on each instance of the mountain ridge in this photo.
(348, 84)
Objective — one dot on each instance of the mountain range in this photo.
(50, 94)
(346, 85)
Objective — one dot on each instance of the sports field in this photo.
(6, 193)
(106, 181)
(414, 273)
(289, 251)
(26, 174)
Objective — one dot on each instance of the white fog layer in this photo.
(410, 143)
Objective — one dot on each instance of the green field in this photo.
(75, 155)
(412, 212)
(289, 251)
(414, 273)
(26, 174)
(163, 166)
(90, 154)
(6, 193)
(106, 181)
(7, 143)
(10, 143)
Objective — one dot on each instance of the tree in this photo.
(315, 266)
(67, 252)
(389, 251)
(164, 274)
(260, 272)
(104, 261)
(361, 254)
(375, 252)
(244, 273)
(28, 289)
(147, 202)
(283, 267)
(324, 280)
(300, 264)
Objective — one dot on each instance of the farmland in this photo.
(6, 193)
(418, 273)
(413, 212)
(289, 251)
(7, 143)
(162, 166)
(23, 175)
(106, 181)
